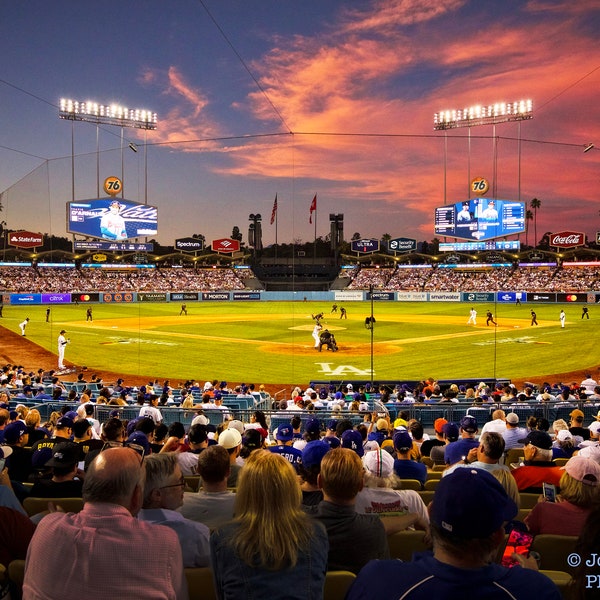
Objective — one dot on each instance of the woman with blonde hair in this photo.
(579, 496)
(272, 548)
(33, 420)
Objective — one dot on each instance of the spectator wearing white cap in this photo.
(513, 432)
(231, 440)
(564, 444)
(579, 494)
(378, 495)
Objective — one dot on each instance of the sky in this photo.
(258, 98)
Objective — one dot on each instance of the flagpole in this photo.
(276, 218)
(315, 243)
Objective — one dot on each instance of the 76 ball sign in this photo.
(113, 186)
(480, 186)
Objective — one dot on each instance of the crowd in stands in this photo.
(276, 508)
(429, 278)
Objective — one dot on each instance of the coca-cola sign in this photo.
(25, 239)
(567, 239)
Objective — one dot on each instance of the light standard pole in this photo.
(100, 114)
(372, 326)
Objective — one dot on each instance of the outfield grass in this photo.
(270, 342)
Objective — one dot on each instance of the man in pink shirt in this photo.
(104, 551)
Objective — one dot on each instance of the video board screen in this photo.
(480, 219)
(112, 219)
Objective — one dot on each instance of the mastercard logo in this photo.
(84, 298)
(571, 298)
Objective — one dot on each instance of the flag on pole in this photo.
(274, 211)
(313, 207)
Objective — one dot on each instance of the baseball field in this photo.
(271, 342)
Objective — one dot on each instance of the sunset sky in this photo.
(296, 98)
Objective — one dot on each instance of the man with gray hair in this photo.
(104, 551)
(163, 495)
(538, 467)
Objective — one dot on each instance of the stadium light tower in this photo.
(110, 114)
(491, 114)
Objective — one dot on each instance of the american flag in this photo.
(274, 211)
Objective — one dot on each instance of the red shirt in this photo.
(558, 518)
(532, 476)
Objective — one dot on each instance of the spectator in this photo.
(198, 443)
(404, 466)
(271, 542)
(467, 528)
(378, 497)
(457, 451)
(450, 433)
(312, 455)
(104, 551)
(427, 445)
(538, 466)
(231, 440)
(16, 436)
(163, 495)
(513, 432)
(67, 479)
(213, 503)
(497, 424)
(285, 437)
(579, 495)
(354, 539)
(486, 456)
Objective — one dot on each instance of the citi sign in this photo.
(225, 245)
(567, 239)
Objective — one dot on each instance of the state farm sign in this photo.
(567, 239)
(225, 245)
(25, 239)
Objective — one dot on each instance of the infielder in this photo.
(23, 324)
(62, 342)
(472, 317)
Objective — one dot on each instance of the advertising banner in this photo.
(540, 297)
(215, 296)
(411, 296)
(580, 297)
(567, 239)
(56, 298)
(179, 296)
(152, 297)
(113, 247)
(402, 245)
(189, 244)
(381, 295)
(342, 296)
(25, 239)
(226, 245)
(111, 219)
(119, 297)
(246, 296)
(444, 296)
(511, 297)
(23, 299)
(85, 298)
(478, 296)
(365, 246)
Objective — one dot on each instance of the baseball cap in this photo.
(285, 433)
(583, 469)
(201, 420)
(539, 439)
(450, 430)
(313, 426)
(438, 424)
(381, 425)
(379, 463)
(236, 424)
(592, 452)
(576, 413)
(138, 438)
(332, 441)
(314, 452)
(595, 427)
(353, 440)
(5, 451)
(230, 438)
(471, 503)
(64, 454)
(252, 439)
(402, 440)
(332, 424)
(512, 418)
(468, 424)
(563, 435)
(13, 431)
(64, 423)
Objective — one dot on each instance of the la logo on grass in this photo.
(341, 370)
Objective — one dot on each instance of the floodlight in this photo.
(500, 112)
(113, 114)
(588, 147)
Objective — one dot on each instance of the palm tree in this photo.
(528, 217)
(535, 204)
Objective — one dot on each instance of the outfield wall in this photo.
(505, 297)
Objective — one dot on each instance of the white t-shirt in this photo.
(387, 500)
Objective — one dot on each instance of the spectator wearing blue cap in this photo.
(312, 455)
(16, 435)
(457, 451)
(450, 433)
(404, 466)
(467, 519)
(285, 437)
(352, 439)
